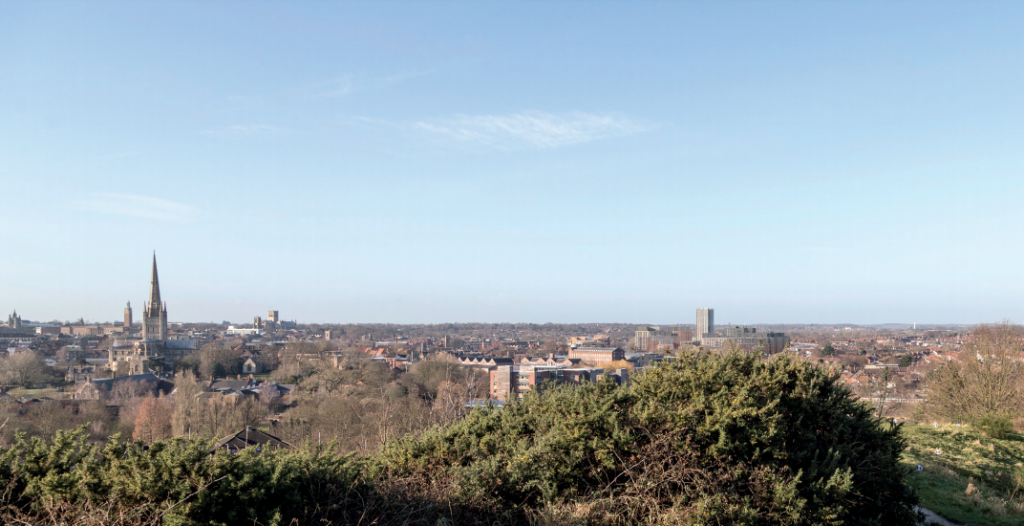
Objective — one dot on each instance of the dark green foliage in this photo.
(994, 426)
(177, 480)
(707, 439)
(828, 350)
(792, 418)
(745, 440)
(561, 444)
(906, 360)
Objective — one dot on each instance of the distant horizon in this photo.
(667, 324)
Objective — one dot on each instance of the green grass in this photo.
(35, 393)
(993, 469)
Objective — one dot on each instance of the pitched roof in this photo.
(250, 437)
(107, 383)
(218, 385)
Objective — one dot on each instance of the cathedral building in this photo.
(154, 313)
(14, 321)
(135, 356)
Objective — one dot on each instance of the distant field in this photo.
(975, 480)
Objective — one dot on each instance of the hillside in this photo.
(707, 439)
(975, 480)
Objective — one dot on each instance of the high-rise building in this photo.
(154, 313)
(705, 322)
(642, 339)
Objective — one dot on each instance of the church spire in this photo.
(154, 287)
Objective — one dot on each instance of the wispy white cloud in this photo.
(136, 206)
(330, 88)
(530, 129)
(245, 130)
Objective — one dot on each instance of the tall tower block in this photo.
(705, 321)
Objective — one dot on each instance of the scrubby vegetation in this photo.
(985, 386)
(967, 476)
(708, 439)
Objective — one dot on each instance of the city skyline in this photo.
(405, 163)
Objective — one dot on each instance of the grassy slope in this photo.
(994, 467)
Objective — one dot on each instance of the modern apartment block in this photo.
(747, 338)
(653, 339)
(705, 322)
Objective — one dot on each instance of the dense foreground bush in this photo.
(708, 439)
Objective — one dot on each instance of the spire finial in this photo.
(154, 285)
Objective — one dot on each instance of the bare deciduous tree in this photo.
(24, 368)
(187, 408)
(151, 422)
(988, 379)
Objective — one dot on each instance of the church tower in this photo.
(154, 313)
(128, 318)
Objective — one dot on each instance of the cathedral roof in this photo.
(180, 344)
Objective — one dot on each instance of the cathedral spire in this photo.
(154, 287)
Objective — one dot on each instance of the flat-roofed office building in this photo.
(597, 354)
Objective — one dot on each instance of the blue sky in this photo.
(500, 161)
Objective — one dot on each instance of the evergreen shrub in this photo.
(704, 439)
(714, 438)
(994, 425)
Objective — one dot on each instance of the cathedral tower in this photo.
(14, 321)
(154, 314)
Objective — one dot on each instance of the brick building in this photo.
(597, 354)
